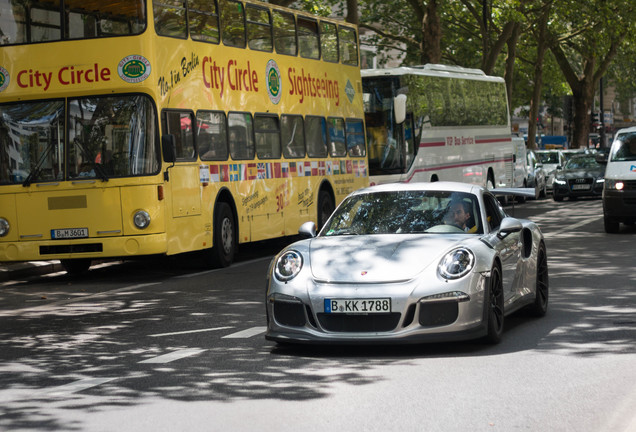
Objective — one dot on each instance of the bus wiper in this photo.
(35, 172)
(100, 171)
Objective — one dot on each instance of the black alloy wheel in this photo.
(495, 305)
(542, 290)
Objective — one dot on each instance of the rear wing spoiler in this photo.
(522, 192)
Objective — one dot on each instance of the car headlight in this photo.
(600, 180)
(4, 227)
(141, 219)
(288, 265)
(614, 184)
(559, 181)
(456, 263)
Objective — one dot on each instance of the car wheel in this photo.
(544, 191)
(76, 267)
(557, 198)
(542, 289)
(495, 307)
(611, 226)
(224, 246)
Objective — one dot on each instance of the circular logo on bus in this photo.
(4, 78)
(274, 82)
(134, 68)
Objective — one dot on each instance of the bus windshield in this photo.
(28, 21)
(106, 137)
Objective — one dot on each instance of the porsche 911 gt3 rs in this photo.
(408, 263)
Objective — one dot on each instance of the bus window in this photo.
(329, 42)
(203, 20)
(212, 135)
(308, 38)
(348, 45)
(232, 23)
(45, 22)
(337, 146)
(111, 137)
(259, 29)
(316, 136)
(170, 18)
(267, 136)
(284, 33)
(292, 132)
(241, 137)
(179, 124)
(355, 138)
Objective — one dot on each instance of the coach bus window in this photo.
(284, 33)
(292, 132)
(232, 23)
(337, 145)
(45, 23)
(267, 136)
(180, 124)
(111, 136)
(316, 136)
(170, 18)
(348, 45)
(32, 141)
(259, 29)
(212, 135)
(241, 137)
(355, 138)
(308, 38)
(329, 42)
(203, 20)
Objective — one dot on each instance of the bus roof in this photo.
(429, 69)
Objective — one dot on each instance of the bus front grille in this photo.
(71, 248)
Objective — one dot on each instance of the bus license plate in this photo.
(358, 306)
(69, 233)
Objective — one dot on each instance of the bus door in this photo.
(184, 185)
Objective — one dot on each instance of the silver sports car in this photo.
(408, 263)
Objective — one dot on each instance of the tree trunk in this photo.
(542, 46)
(431, 51)
(352, 12)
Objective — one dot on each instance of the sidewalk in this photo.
(13, 270)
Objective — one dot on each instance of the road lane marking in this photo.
(189, 331)
(175, 355)
(572, 227)
(77, 386)
(244, 334)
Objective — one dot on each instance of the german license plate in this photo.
(69, 233)
(580, 187)
(358, 306)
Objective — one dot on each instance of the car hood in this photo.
(581, 173)
(377, 258)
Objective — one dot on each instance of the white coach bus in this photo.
(437, 122)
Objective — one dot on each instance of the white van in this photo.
(619, 191)
(520, 172)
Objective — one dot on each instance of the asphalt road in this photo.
(164, 345)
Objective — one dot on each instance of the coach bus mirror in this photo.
(307, 230)
(168, 148)
(399, 107)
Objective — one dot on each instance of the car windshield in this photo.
(549, 158)
(581, 163)
(625, 148)
(405, 212)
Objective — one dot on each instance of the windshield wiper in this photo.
(35, 172)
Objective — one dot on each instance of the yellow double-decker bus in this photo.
(144, 127)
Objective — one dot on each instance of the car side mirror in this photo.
(307, 230)
(399, 108)
(508, 226)
(601, 158)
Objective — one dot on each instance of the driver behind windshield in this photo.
(458, 214)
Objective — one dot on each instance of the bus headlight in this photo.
(614, 184)
(4, 227)
(141, 219)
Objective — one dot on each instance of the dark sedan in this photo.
(581, 176)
